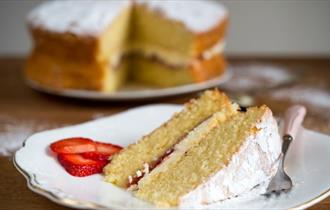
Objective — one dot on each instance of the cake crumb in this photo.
(138, 173)
(130, 179)
(146, 168)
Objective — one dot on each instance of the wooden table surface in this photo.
(21, 104)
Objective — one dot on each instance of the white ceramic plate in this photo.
(307, 164)
(136, 92)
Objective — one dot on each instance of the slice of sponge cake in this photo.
(208, 152)
(149, 151)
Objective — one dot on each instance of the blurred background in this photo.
(257, 28)
(277, 50)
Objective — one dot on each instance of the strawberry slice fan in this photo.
(82, 156)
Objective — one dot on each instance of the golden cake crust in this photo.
(60, 73)
(205, 69)
(205, 40)
(64, 45)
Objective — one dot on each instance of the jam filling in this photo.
(133, 180)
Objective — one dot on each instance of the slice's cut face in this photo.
(143, 54)
(151, 29)
(152, 147)
(192, 139)
(155, 72)
(193, 165)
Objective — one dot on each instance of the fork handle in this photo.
(293, 119)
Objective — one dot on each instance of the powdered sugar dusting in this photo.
(81, 18)
(198, 16)
(12, 137)
(304, 94)
(13, 133)
(257, 76)
(91, 18)
(254, 164)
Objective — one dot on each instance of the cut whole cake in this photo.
(227, 154)
(101, 45)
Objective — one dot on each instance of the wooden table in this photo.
(22, 104)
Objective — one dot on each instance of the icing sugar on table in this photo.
(309, 95)
(254, 77)
(14, 131)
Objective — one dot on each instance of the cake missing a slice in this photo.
(199, 158)
(102, 45)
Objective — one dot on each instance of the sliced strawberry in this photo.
(77, 165)
(73, 146)
(95, 156)
(107, 148)
(103, 151)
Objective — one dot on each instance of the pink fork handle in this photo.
(293, 119)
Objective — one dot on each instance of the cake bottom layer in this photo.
(62, 73)
(153, 71)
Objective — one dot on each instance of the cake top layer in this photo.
(91, 18)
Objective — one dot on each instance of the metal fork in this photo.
(292, 121)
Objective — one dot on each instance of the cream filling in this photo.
(218, 48)
(165, 55)
(254, 164)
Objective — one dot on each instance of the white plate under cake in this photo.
(208, 152)
(206, 145)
